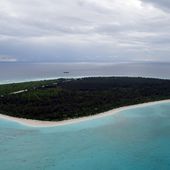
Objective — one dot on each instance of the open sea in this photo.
(19, 71)
(133, 139)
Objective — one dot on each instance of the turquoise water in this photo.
(134, 139)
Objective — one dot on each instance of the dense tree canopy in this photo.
(70, 98)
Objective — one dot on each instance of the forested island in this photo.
(61, 99)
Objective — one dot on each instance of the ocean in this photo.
(133, 139)
(19, 71)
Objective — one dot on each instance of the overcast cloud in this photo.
(85, 30)
(164, 4)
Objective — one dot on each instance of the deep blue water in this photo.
(16, 72)
(134, 139)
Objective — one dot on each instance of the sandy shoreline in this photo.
(38, 123)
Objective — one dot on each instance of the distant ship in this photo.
(66, 72)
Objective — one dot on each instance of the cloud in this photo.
(81, 30)
(163, 4)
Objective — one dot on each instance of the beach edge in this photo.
(39, 123)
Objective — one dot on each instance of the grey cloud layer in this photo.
(164, 4)
(84, 30)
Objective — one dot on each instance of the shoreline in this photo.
(6, 82)
(39, 123)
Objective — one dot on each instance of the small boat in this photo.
(66, 72)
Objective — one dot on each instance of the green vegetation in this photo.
(70, 98)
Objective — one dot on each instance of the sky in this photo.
(84, 30)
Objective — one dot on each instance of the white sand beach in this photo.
(38, 123)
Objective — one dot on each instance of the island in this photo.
(63, 99)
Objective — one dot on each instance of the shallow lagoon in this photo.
(133, 139)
